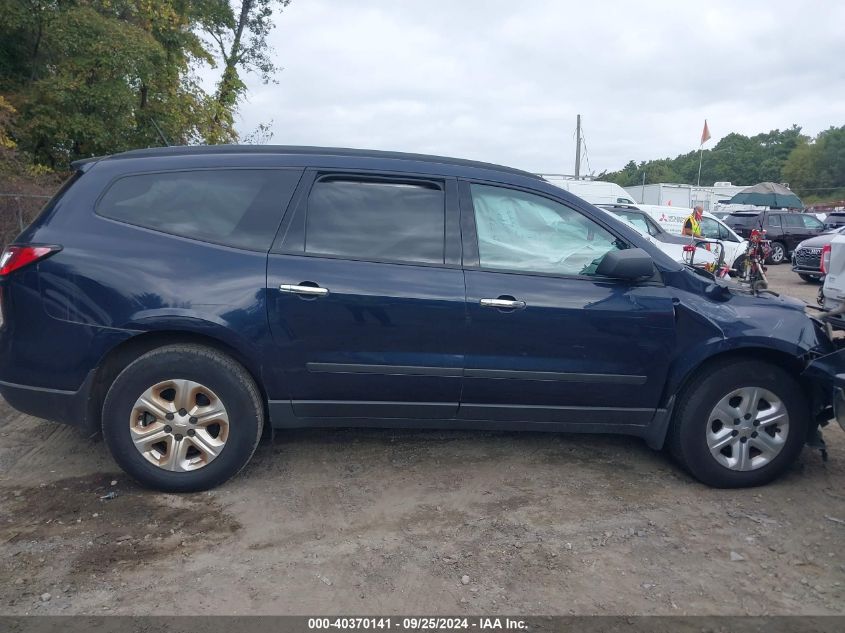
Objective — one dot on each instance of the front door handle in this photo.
(502, 302)
(297, 289)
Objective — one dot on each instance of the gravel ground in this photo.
(391, 522)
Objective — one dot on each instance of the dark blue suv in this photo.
(180, 299)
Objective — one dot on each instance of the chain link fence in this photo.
(17, 210)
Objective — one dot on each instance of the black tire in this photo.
(810, 279)
(687, 435)
(225, 377)
(739, 265)
(778, 247)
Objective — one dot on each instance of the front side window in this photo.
(710, 229)
(525, 232)
(362, 219)
(637, 221)
(812, 223)
(235, 207)
(653, 227)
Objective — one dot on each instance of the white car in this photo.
(832, 297)
(712, 228)
(675, 251)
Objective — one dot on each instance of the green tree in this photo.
(239, 37)
(94, 77)
(99, 76)
(817, 166)
(624, 177)
(801, 170)
(7, 113)
(736, 158)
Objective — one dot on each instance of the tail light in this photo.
(15, 257)
(825, 265)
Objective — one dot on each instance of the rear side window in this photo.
(774, 220)
(743, 219)
(362, 219)
(792, 221)
(235, 207)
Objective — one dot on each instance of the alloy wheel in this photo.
(747, 428)
(179, 425)
(777, 254)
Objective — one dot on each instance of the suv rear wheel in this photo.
(183, 418)
(740, 423)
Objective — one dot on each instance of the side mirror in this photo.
(631, 263)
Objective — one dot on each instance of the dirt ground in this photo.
(391, 522)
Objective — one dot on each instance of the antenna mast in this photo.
(578, 148)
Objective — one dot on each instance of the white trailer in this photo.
(680, 195)
(663, 194)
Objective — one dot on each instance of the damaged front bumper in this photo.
(827, 375)
(839, 400)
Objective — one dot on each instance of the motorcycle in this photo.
(752, 267)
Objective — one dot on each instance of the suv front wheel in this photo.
(183, 418)
(778, 254)
(739, 423)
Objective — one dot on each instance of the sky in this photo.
(502, 81)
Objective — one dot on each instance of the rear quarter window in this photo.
(234, 207)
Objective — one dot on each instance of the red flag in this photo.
(705, 133)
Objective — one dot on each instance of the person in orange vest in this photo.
(692, 226)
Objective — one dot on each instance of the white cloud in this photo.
(502, 81)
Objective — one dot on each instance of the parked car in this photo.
(735, 246)
(179, 299)
(832, 294)
(672, 219)
(673, 245)
(807, 258)
(834, 219)
(644, 223)
(785, 229)
(669, 217)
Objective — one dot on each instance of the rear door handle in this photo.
(297, 289)
(502, 303)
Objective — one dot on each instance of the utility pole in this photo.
(578, 148)
(700, 156)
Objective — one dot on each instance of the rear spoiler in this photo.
(84, 164)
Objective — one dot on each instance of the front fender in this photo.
(707, 329)
(824, 369)
(693, 359)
